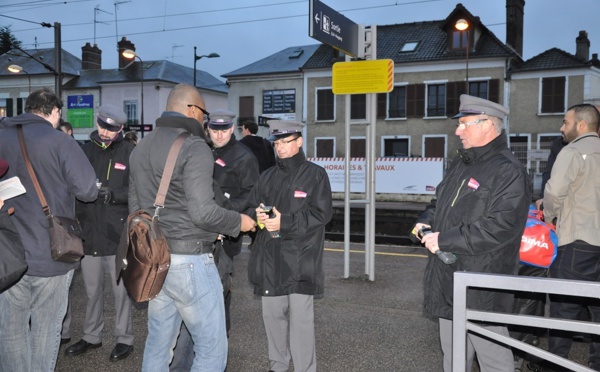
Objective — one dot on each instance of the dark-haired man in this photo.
(33, 309)
(260, 147)
(571, 197)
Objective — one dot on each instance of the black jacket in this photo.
(190, 212)
(262, 149)
(293, 263)
(64, 173)
(102, 223)
(236, 171)
(480, 211)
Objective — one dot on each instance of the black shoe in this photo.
(121, 351)
(81, 347)
(65, 340)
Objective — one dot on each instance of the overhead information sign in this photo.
(363, 77)
(332, 28)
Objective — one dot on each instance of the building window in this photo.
(20, 105)
(358, 107)
(130, 108)
(478, 89)
(246, 109)
(434, 146)
(358, 147)
(324, 147)
(397, 102)
(436, 100)
(459, 39)
(553, 95)
(519, 145)
(396, 147)
(325, 105)
(411, 46)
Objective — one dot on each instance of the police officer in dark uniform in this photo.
(102, 222)
(286, 266)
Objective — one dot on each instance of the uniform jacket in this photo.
(64, 173)
(480, 211)
(262, 149)
(300, 190)
(190, 211)
(102, 223)
(236, 171)
(572, 194)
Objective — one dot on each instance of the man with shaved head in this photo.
(191, 221)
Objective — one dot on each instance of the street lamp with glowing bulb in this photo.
(130, 54)
(197, 57)
(463, 26)
(16, 69)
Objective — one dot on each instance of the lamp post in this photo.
(197, 57)
(130, 54)
(17, 69)
(463, 26)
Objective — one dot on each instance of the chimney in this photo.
(122, 45)
(91, 57)
(582, 51)
(514, 24)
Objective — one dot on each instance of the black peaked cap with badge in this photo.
(284, 128)
(470, 105)
(111, 118)
(221, 119)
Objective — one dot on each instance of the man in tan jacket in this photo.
(572, 200)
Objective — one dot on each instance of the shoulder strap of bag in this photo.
(31, 172)
(159, 202)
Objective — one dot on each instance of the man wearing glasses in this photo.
(286, 265)
(191, 220)
(478, 214)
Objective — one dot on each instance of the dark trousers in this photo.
(576, 261)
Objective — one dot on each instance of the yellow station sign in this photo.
(362, 77)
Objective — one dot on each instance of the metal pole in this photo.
(347, 184)
(142, 69)
(58, 60)
(467, 69)
(195, 59)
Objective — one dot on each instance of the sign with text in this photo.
(279, 101)
(363, 77)
(332, 28)
(80, 111)
(392, 175)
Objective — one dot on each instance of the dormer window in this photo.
(296, 53)
(411, 46)
(459, 39)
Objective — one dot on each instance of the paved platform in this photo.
(360, 325)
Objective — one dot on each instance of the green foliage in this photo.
(7, 40)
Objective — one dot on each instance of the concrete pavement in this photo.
(360, 325)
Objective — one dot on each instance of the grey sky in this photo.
(244, 31)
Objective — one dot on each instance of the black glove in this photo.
(104, 195)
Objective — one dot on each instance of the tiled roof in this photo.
(551, 59)
(162, 70)
(279, 62)
(71, 65)
(432, 45)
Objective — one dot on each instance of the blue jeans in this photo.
(31, 314)
(192, 292)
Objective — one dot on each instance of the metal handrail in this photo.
(463, 317)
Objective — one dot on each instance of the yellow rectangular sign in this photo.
(362, 77)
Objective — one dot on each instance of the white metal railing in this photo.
(463, 317)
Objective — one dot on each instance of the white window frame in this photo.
(566, 98)
(382, 144)
(387, 103)
(427, 84)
